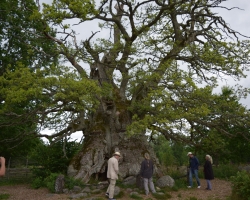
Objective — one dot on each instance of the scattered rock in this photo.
(165, 181)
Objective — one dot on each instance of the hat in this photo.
(117, 154)
(189, 153)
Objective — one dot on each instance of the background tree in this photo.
(144, 74)
(22, 44)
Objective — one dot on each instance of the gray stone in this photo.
(245, 168)
(65, 190)
(134, 193)
(117, 190)
(95, 191)
(131, 180)
(76, 189)
(59, 184)
(86, 189)
(165, 181)
(79, 195)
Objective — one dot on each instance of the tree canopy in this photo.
(150, 66)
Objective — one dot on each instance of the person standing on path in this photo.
(112, 174)
(208, 171)
(147, 169)
(2, 166)
(193, 170)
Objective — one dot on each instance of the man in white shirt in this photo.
(112, 174)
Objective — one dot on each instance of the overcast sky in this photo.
(239, 20)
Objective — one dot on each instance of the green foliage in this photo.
(4, 196)
(38, 182)
(70, 182)
(52, 158)
(163, 151)
(120, 195)
(241, 185)
(225, 171)
(180, 153)
(164, 195)
(191, 198)
(14, 181)
(135, 196)
(49, 182)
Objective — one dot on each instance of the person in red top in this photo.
(2, 168)
(112, 174)
(147, 169)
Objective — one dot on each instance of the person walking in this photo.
(2, 167)
(193, 170)
(147, 169)
(112, 174)
(208, 171)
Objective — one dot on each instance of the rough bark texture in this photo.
(92, 160)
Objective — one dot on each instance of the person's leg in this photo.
(209, 186)
(196, 177)
(111, 188)
(151, 185)
(107, 192)
(145, 180)
(190, 178)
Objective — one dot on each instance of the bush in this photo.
(37, 183)
(50, 181)
(225, 171)
(241, 186)
(70, 182)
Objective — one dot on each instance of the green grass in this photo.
(120, 195)
(134, 196)
(162, 196)
(4, 196)
(13, 182)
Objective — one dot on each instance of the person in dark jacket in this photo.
(193, 170)
(208, 171)
(147, 169)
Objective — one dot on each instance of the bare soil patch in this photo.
(221, 190)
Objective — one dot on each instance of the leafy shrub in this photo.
(4, 196)
(37, 183)
(50, 181)
(70, 182)
(52, 158)
(241, 186)
(225, 171)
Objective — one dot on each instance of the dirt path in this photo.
(221, 190)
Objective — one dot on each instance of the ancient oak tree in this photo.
(137, 68)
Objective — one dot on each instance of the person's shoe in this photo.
(107, 194)
(188, 186)
(199, 187)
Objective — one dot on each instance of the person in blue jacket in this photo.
(193, 170)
